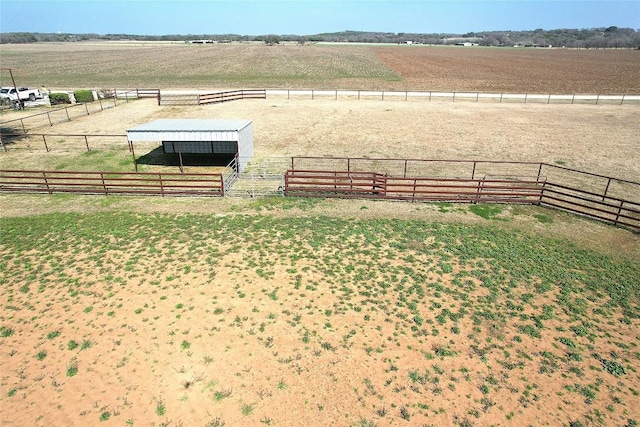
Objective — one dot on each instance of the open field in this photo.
(210, 312)
(179, 65)
(312, 312)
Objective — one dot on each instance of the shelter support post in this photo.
(133, 153)
(180, 157)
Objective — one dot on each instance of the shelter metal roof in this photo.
(187, 129)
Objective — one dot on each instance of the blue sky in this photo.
(303, 17)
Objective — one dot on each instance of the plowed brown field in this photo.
(515, 70)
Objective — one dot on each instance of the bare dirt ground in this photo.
(232, 318)
(516, 70)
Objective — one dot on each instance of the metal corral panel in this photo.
(245, 146)
(191, 130)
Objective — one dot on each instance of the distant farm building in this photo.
(219, 140)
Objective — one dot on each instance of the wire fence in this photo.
(337, 94)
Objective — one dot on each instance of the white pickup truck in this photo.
(24, 93)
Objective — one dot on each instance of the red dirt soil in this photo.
(514, 70)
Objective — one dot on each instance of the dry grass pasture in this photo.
(600, 139)
(209, 312)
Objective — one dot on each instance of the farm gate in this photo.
(210, 98)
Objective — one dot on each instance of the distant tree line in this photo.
(611, 37)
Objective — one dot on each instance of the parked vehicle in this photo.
(24, 94)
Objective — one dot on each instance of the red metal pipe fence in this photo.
(129, 183)
(308, 183)
(212, 98)
(609, 199)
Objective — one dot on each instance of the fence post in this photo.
(549, 99)
(429, 95)
(501, 98)
(104, 184)
(622, 100)
(336, 94)
(358, 95)
(606, 190)
(574, 97)
(619, 212)
(312, 94)
(382, 99)
(46, 182)
(161, 184)
(454, 97)
(288, 90)
(539, 172)
(478, 193)
(49, 117)
(23, 128)
(406, 95)
(525, 97)
(477, 96)
(44, 139)
(66, 110)
(86, 108)
(473, 171)
(405, 168)
(86, 141)
(158, 96)
(544, 184)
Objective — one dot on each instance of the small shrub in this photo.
(614, 368)
(72, 370)
(59, 98)
(83, 96)
(247, 409)
(160, 408)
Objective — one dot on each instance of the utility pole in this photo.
(18, 100)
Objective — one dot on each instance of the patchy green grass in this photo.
(422, 315)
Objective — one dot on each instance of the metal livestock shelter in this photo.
(230, 138)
